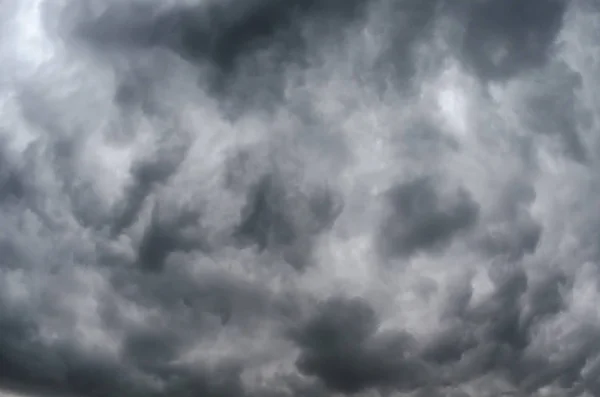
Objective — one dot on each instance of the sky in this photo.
(300, 198)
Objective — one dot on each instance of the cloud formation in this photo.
(232, 198)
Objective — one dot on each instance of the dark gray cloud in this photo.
(239, 43)
(254, 25)
(517, 233)
(423, 220)
(146, 176)
(340, 347)
(217, 33)
(341, 344)
(554, 109)
(12, 185)
(165, 237)
(203, 198)
(30, 365)
(273, 218)
(508, 37)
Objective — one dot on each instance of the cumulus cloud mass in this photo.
(299, 198)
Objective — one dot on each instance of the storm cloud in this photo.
(302, 198)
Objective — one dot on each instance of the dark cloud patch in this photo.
(449, 345)
(92, 375)
(192, 308)
(591, 378)
(65, 371)
(198, 304)
(502, 311)
(245, 45)
(146, 365)
(12, 185)
(167, 232)
(147, 176)
(121, 25)
(66, 143)
(562, 123)
(32, 366)
(155, 247)
(514, 232)
(407, 23)
(515, 240)
(485, 338)
(10, 254)
(278, 219)
(423, 220)
(546, 298)
(239, 29)
(222, 382)
(251, 46)
(264, 219)
(340, 346)
(106, 378)
(424, 137)
(46, 117)
(339, 320)
(17, 353)
(135, 92)
(151, 349)
(504, 38)
(43, 114)
(495, 335)
(568, 372)
(551, 108)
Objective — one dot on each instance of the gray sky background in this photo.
(301, 198)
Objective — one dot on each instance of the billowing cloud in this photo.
(299, 198)
(504, 38)
(420, 221)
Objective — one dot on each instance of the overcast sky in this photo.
(299, 198)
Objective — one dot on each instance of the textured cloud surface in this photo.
(302, 198)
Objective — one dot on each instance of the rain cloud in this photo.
(303, 198)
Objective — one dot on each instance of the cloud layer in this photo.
(233, 198)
